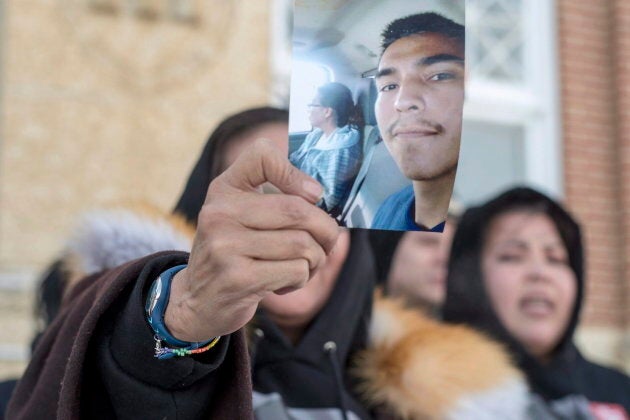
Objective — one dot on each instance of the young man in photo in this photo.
(420, 84)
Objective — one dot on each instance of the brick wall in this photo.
(621, 45)
(594, 45)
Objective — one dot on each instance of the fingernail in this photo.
(313, 189)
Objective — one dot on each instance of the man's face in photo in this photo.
(420, 83)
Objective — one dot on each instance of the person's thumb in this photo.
(264, 162)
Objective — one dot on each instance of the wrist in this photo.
(184, 315)
(179, 317)
(156, 303)
(155, 310)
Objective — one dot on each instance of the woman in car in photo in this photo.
(516, 272)
(332, 152)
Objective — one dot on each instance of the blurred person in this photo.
(332, 152)
(225, 143)
(516, 271)
(420, 84)
(309, 347)
(418, 270)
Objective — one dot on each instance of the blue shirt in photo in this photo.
(397, 213)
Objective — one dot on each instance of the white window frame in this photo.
(279, 53)
(534, 105)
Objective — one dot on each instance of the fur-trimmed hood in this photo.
(413, 367)
(104, 239)
(420, 368)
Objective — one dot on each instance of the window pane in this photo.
(303, 90)
(491, 160)
(494, 40)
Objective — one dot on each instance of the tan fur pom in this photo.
(107, 238)
(420, 368)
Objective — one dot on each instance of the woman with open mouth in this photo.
(516, 272)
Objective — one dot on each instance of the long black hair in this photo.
(339, 97)
(210, 163)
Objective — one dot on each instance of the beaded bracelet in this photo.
(163, 353)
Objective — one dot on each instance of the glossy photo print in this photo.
(377, 91)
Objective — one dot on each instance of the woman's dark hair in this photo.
(338, 97)
(466, 298)
(210, 163)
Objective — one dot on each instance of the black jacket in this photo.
(96, 360)
(314, 373)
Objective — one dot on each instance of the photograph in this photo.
(376, 98)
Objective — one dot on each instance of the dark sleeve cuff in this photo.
(132, 345)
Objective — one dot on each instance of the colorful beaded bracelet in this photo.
(163, 353)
